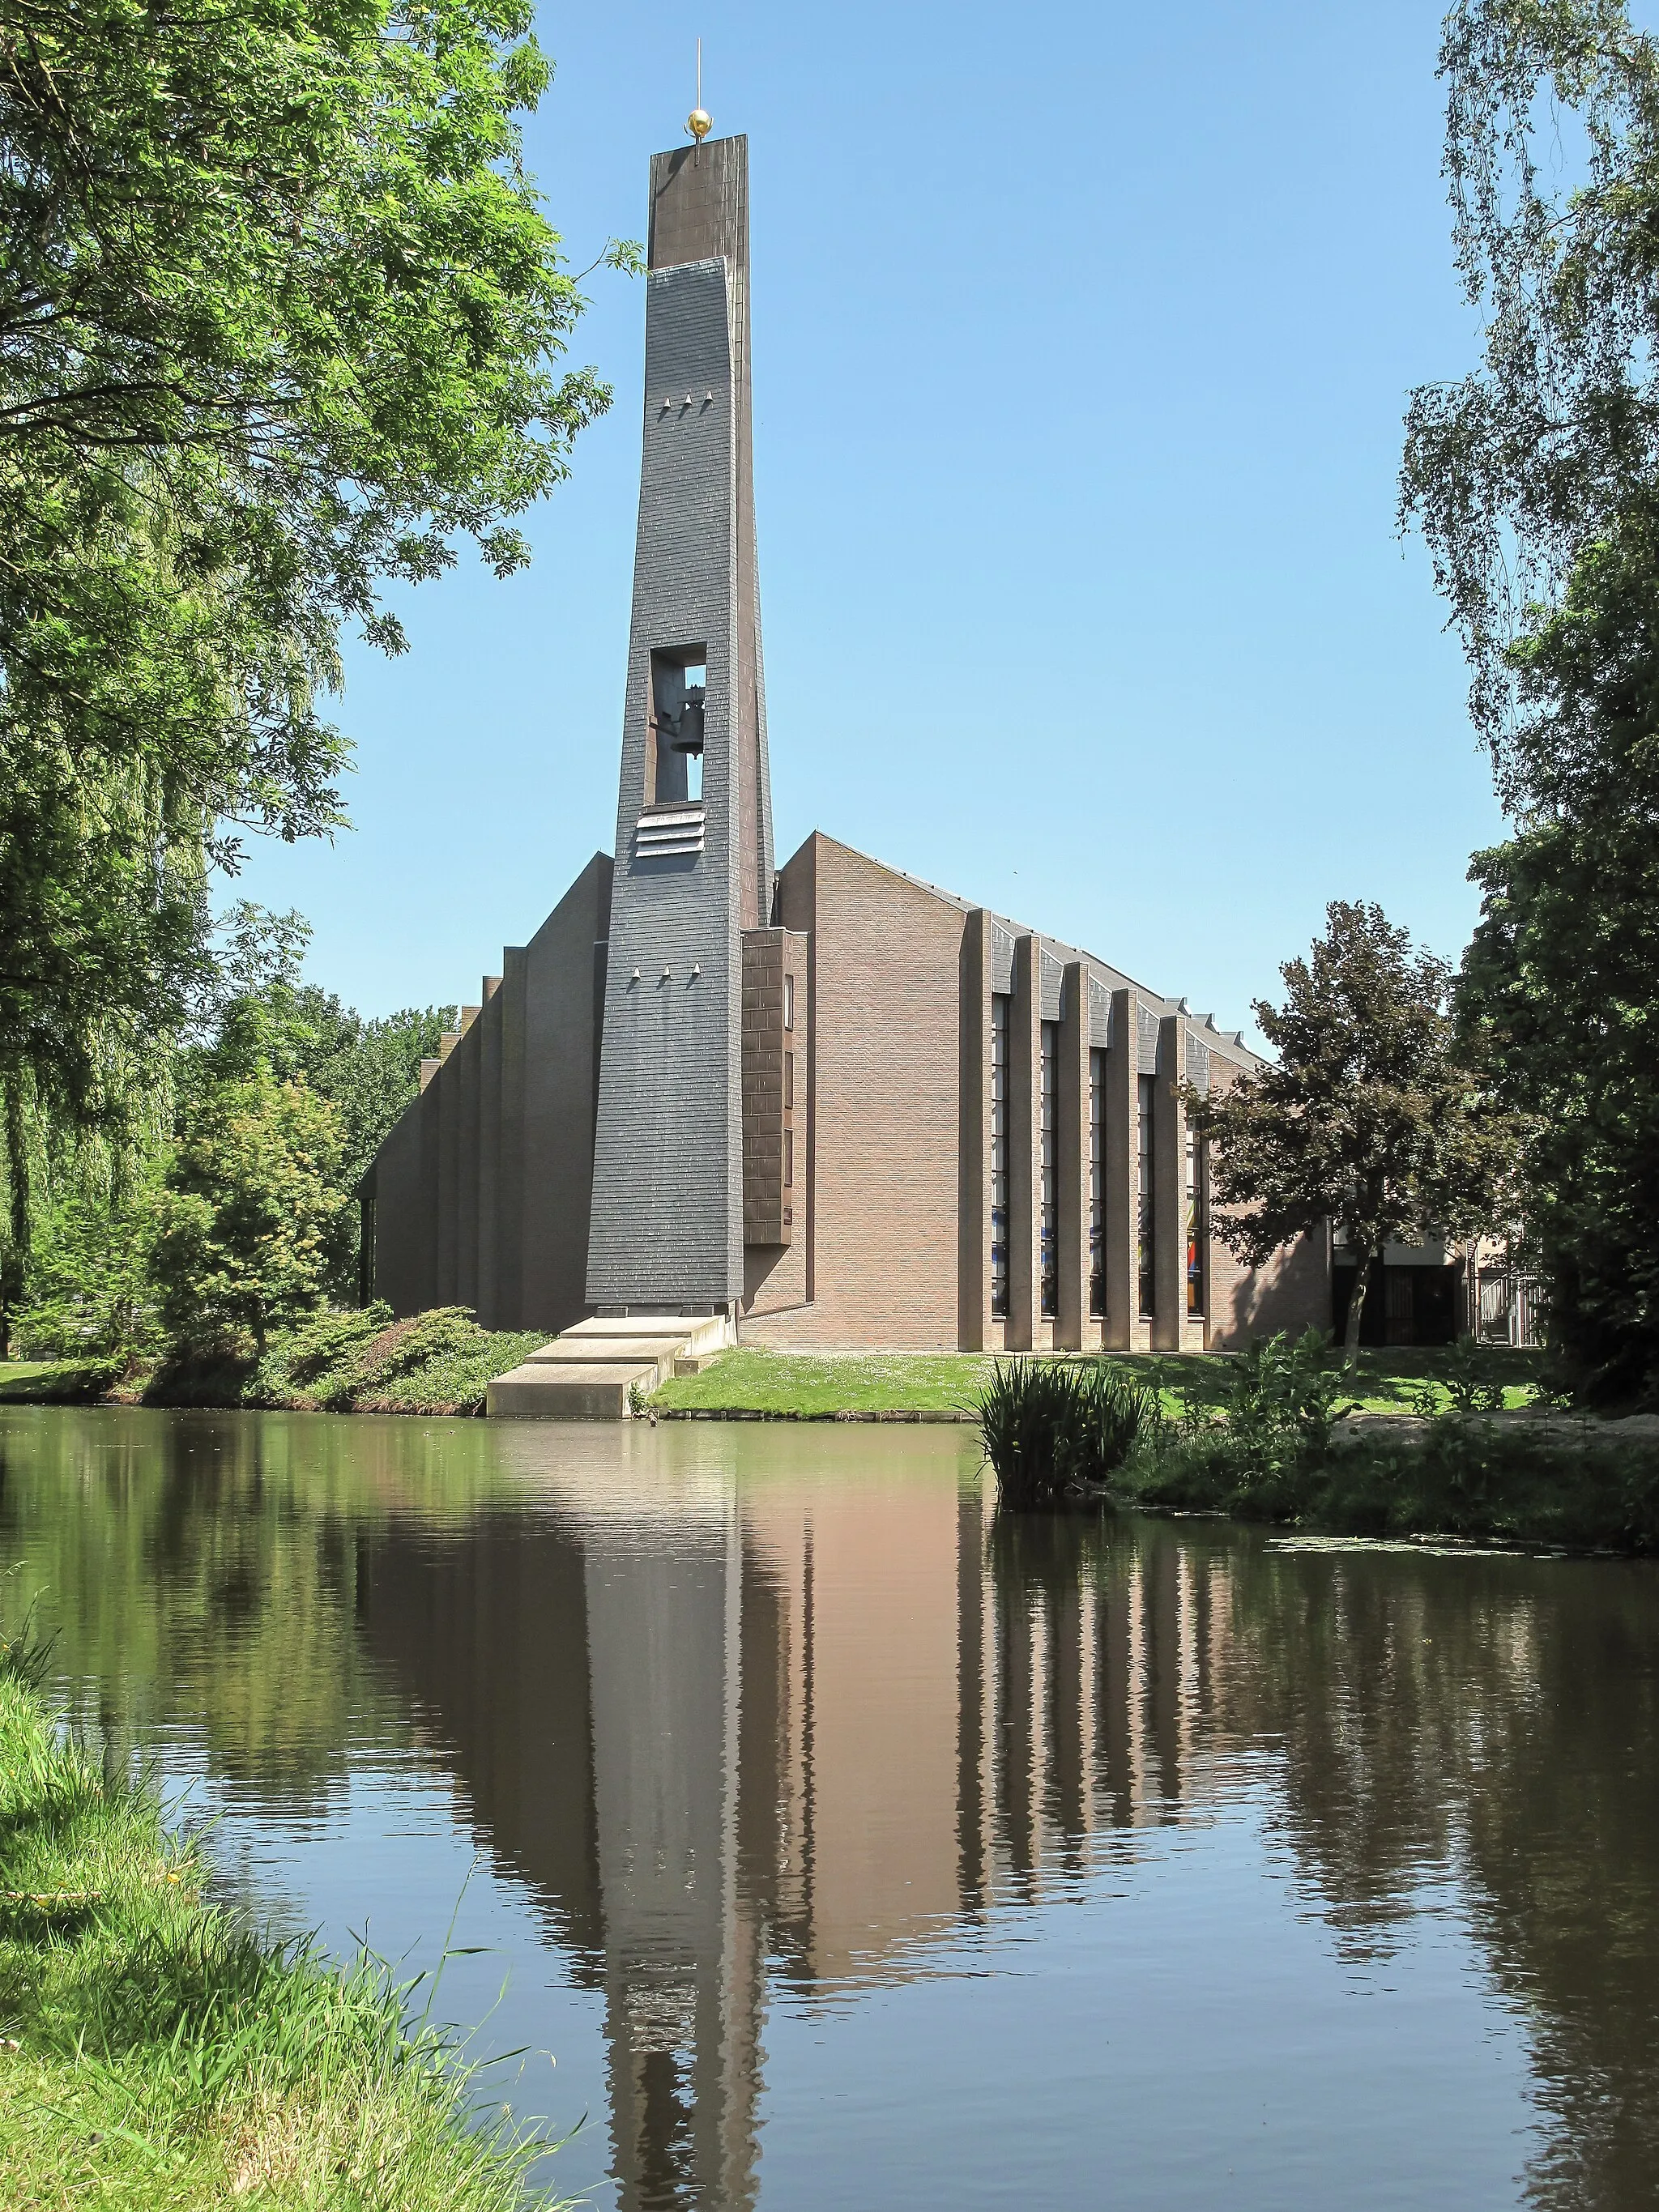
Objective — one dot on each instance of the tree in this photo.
(89, 1290)
(251, 1223)
(1513, 472)
(1536, 480)
(279, 319)
(1368, 1119)
(1559, 993)
(261, 1015)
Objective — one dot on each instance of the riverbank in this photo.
(360, 1361)
(442, 1362)
(155, 2050)
(1553, 1482)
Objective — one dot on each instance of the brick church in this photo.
(824, 1104)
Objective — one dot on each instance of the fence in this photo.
(1511, 1307)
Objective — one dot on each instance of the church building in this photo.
(818, 1105)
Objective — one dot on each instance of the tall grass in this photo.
(1054, 1431)
(159, 2051)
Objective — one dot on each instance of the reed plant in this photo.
(157, 2050)
(1055, 1431)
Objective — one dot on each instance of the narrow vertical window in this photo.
(788, 1002)
(998, 1156)
(1097, 1183)
(1145, 1218)
(788, 1159)
(1049, 1166)
(788, 1081)
(1196, 1239)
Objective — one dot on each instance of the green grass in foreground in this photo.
(155, 2052)
(750, 1379)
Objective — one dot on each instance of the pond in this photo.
(818, 1838)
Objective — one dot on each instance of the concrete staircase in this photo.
(586, 1373)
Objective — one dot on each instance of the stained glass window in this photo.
(1144, 1214)
(1097, 1183)
(998, 1156)
(1048, 1162)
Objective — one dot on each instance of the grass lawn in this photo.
(745, 1380)
(37, 1380)
(159, 2052)
(750, 1380)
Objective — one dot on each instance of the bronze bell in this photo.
(689, 735)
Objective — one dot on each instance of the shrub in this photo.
(1255, 1455)
(1470, 1383)
(437, 1335)
(328, 1339)
(1055, 1430)
(1283, 1397)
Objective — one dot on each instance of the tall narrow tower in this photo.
(694, 815)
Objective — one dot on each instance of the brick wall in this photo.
(1290, 1292)
(884, 1079)
(482, 1189)
(774, 1023)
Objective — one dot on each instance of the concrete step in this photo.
(607, 1352)
(545, 1392)
(693, 1333)
(586, 1372)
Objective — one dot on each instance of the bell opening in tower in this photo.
(680, 684)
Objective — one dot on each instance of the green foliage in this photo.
(1284, 1398)
(439, 1361)
(25, 1655)
(1471, 1383)
(1536, 480)
(248, 1217)
(1469, 1478)
(251, 1223)
(1054, 1431)
(90, 1294)
(162, 2049)
(1560, 984)
(281, 316)
(262, 1016)
(1516, 470)
(1369, 1118)
(1272, 1424)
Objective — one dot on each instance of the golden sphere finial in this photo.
(700, 122)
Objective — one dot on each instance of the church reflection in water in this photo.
(734, 1732)
(763, 1715)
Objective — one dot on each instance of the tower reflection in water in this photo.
(786, 1731)
(765, 1714)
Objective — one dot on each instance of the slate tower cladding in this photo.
(694, 815)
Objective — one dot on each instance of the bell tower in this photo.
(693, 863)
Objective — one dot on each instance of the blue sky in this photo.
(1082, 340)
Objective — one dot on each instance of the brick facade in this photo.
(479, 1196)
(884, 1051)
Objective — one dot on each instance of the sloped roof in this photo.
(1229, 1042)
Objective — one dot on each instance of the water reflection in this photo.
(768, 1718)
